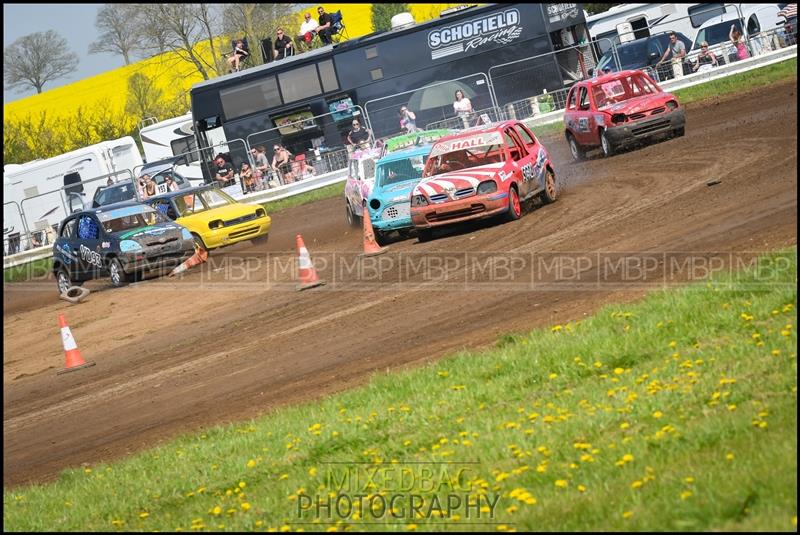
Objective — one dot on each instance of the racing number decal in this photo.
(90, 256)
(527, 172)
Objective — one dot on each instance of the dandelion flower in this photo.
(144, 514)
(627, 514)
(686, 494)
(729, 456)
(581, 488)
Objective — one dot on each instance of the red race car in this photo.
(481, 172)
(618, 109)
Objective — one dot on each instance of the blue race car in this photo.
(390, 200)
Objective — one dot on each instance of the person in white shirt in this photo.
(462, 105)
(307, 30)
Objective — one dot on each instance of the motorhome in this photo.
(169, 138)
(628, 22)
(37, 195)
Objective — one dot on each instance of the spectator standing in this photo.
(738, 42)
(237, 55)
(262, 168)
(283, 45)
(462, 105)
(224, 174)
(408, 120)
(282, 163)
(324, 29)
(358, 135)
(307, 30)
(676, 50)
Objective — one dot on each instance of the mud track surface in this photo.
(177, 355)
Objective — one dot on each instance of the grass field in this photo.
(675, 413)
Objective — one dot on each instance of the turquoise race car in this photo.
(396, 174)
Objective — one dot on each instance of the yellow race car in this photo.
(213, 217)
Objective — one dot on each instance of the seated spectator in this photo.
(248, 179)
(110, 181)
(239, 52)
(358, 135)
(224, 174)
(307, 30)
(282, 163)
(283, 46)
(300, 169)
(170, 182)
(149, 187)
(324, 29)
(706, 59)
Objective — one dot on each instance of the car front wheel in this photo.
(679, 132)
(607, 146)
(117, 274)
(514, 206)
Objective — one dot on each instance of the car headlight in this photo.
(488, 186)
(261, 212)
(618, 118)
(374, 204)
(672, 105)
(217, 223)
(186, 235)
(419, 200)
(128, 246)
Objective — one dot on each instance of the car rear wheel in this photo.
(117, 274)
(606, 145)
(514, 206)
(352, 218)
(550, 193)
(62, 279)
(577, 151)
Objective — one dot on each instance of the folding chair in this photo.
(244, 62)
(337, 26)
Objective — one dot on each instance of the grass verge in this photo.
(26, 272)
(676, 413)
(325, 192)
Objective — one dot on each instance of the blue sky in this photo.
(74, 22)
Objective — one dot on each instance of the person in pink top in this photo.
(738, 42)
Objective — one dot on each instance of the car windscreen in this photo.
(401, 170)
(621, 89)
(114, 194)
(130, 217)
(465, 152)
(631, 56)
(199, 201)
(716, 34)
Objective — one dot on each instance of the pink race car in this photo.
(481, 172)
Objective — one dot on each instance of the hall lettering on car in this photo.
(90, 256)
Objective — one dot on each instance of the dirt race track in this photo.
(177, 355)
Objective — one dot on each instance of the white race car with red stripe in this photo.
(481, 172)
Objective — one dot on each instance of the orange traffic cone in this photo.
(371, 247)
(308, 275)
(200, 255)
(74, 359)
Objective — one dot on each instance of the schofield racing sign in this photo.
(502, 28)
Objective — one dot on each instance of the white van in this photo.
(172, 137)
(47, 190)
(755, 19)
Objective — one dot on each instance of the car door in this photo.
(536, 157)
(521, 159)
(66, 248)
(88, 242)
(583, 119)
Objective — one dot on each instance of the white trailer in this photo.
(170, 138)
(627, 22)
(46, 190)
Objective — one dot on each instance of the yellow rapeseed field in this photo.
(171, 75)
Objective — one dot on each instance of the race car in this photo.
(481, 172)
(118, 240)
(389, 204)
(213, 217)
(619, 109)
(361, 172)
(360, 179)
